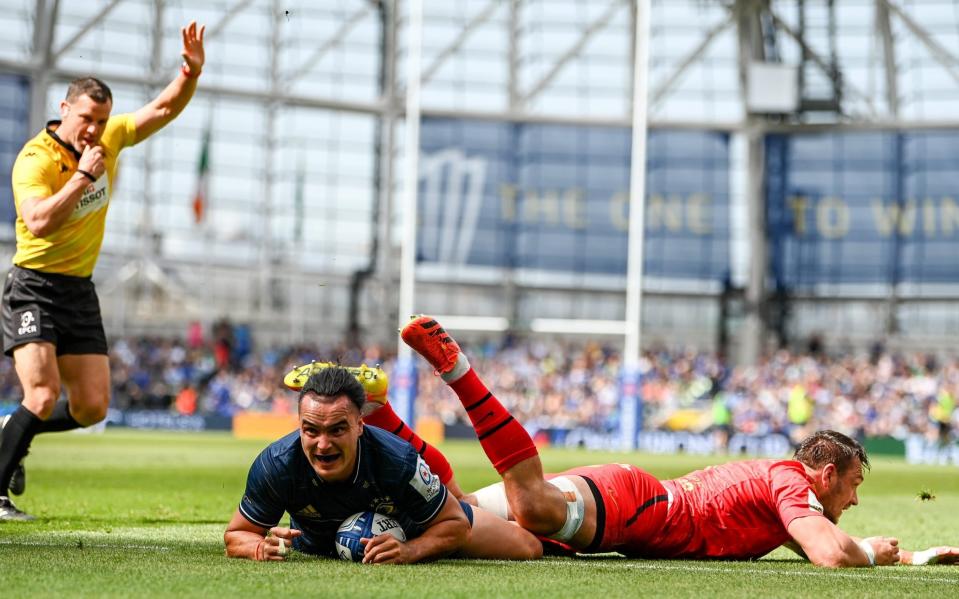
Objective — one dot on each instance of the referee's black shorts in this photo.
(61, 309)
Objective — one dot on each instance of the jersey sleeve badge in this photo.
(424, 481)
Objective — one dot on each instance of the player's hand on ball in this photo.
(886, 548)
(928, 557)
(91, 161)
(385, 549)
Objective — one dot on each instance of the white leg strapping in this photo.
(575, 509)
(493, 499)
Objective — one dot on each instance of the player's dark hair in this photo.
(333, 382)
(89, 86)
(830, 447)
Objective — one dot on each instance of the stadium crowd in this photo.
(552, 385)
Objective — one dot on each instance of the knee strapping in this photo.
(575, 509)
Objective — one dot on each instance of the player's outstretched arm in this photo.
(174, 98)
(795, 548)
(927, 557)
(825, 544)
(493, 537)
(245, 539)
(446, 533)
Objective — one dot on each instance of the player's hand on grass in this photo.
(886, 548)
(91, 161)
(927, 557)
(385, 549)
(193, 54)
(276, 545)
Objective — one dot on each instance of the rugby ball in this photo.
(364, 525)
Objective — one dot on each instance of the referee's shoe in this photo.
(18, 482)
(10, 513)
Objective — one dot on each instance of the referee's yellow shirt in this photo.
(43, 167)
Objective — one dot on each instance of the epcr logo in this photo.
(27, 324)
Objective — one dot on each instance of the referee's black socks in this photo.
(60, 419)
(18, 432)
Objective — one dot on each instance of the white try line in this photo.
(862, 574)
(80, 544)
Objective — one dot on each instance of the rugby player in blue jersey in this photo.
(333, 466)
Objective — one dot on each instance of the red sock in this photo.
(504, 440)
(386, 419)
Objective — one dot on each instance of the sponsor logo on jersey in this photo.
(424, 481)
(814, 504)
(95, 196)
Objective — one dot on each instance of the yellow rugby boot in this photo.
(373, 379)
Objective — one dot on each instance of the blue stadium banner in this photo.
(14, 119)
(555, 198)
(874, 207)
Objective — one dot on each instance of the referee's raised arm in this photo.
(175, 96)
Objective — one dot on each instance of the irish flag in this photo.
(202, 180)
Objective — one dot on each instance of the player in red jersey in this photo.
(740, 510)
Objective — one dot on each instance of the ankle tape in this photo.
(461, 367)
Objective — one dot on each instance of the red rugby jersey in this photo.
(738, 510)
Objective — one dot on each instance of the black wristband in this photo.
(87, 175)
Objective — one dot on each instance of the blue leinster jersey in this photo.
(390, 478)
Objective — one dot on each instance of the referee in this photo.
(50, 312)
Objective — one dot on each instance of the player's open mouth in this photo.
(327, 459)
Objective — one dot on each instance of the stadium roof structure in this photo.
(305, 100)
(859, 60)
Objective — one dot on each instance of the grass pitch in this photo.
(135, 514)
